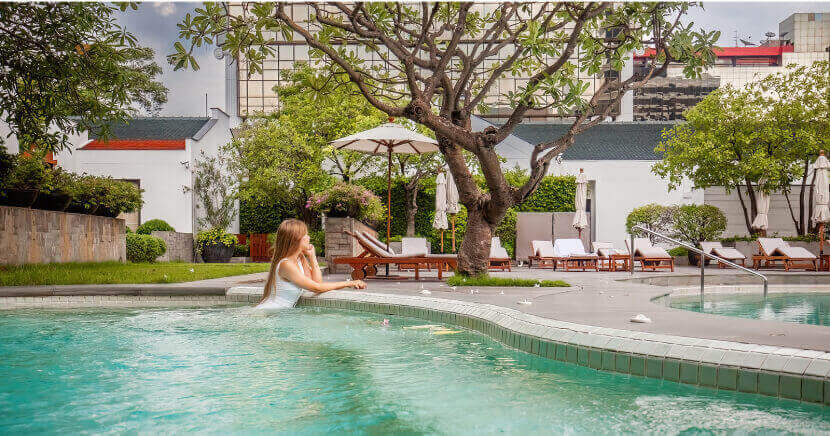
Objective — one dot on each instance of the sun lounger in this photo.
(543, 254)
(499, 259)
(572, 255)
(777, 250)
(651, 257)
(728, 253)
(412, 246)
(610, 258)
(374, 253)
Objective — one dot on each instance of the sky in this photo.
(155, 26)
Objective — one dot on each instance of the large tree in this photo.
(69, 67)
(763, 136)
(440, 61)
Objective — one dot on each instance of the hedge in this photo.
(262, 216)
(144, 248)
(155, 225)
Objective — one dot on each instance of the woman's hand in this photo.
(310, 252)
(357, 284)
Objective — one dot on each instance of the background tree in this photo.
(216, 191)
(68, 67)
(439, 64)
(763, 136)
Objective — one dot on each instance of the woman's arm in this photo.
(291, 272)
(311, 257)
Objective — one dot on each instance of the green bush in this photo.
(694, 223)
(154, 225)
(652, 216)
(348, 200)
(678, 252)
(318, 239)
(214, 236)
(241, 250)
(7, 162)
(144, 248)
(262, 217)
(809, 237)
(26, 173)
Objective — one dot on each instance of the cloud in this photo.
(165, 9)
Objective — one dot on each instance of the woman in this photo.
(294, 268)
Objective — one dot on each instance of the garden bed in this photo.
(117, 273)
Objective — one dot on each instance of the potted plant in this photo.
(694, 223)
(347, 200)
(215, 245)
(23, 184)
(57, 191)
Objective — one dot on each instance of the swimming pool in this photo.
(311, 371)
(803, 308)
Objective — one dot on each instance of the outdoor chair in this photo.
(774, 250)
(610, 258)
(374, 253)
(572, 255)
(499, 259)
(728, 253)
(650, 257)
(413, 246)
(543, 254)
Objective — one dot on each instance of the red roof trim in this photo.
(136, 144)
(725, 52)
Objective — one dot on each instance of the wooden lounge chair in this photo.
(728, 253)
(410, 246)
(774, 250)
(365, 264)
(651, 257)
(572, 255)
(543, 254)
(499, 259)
(610, 258)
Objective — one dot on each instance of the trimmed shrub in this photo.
(241, 250)
(144, 248)
(262, 217)
(154, 225)
(655, 217)
(678, 251)
(694, 223)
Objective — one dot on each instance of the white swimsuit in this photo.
(285, 293)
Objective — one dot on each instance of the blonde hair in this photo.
(288, 239)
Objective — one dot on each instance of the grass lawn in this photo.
(503, 281)
(115, 272)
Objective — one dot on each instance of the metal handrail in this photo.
(696, 250)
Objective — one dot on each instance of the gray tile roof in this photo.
(606, 141)
(156, 128)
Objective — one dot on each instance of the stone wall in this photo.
(339, 244)
(42, 236)
(179, 246)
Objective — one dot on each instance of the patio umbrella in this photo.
(761, 221)
(580, 202)
(821, 197)
(386, 139)
(452, 203)
(440, 221)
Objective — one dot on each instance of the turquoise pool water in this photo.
(313, 371)
(803, 308)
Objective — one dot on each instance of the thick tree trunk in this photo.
(411, 194)
(474, 256)
(747, 220)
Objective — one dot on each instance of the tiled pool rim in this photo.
(773, 371)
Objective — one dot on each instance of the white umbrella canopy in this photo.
(580, 220)
(385, 138)
(452, 195)
(761, 221)
(821, 195)
(440, 221)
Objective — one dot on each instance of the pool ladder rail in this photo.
(700, 261)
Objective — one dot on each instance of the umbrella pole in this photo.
(453, 233)
(388, 201)
(821, 245)
(442, 240)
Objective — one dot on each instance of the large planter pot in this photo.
(81, 207)
(58, 202)
(18, 197)
(217, 253)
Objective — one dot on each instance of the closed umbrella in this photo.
(452, 203)
(440, 221)
(761, 221)
(821, 198)
(580, 202)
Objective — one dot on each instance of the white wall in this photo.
(211, 143)
(617, 187)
